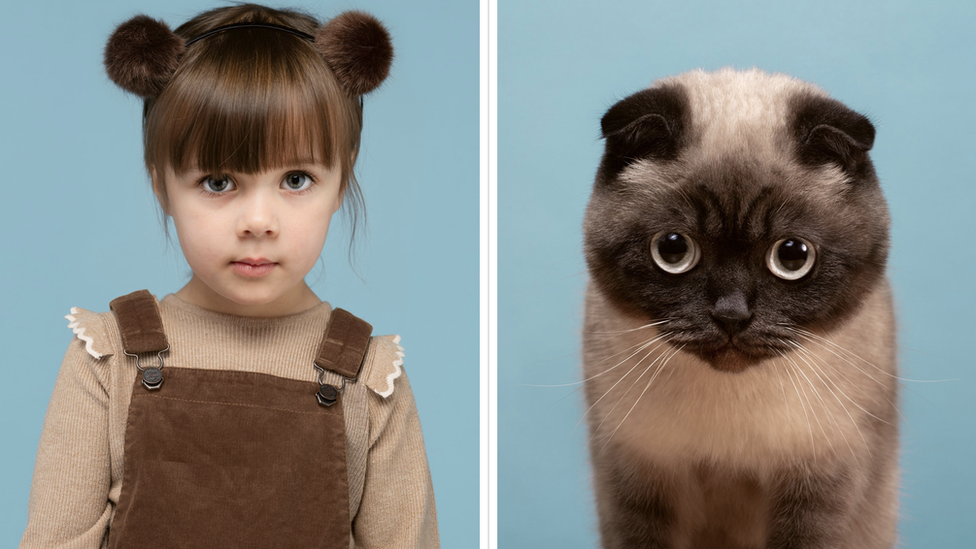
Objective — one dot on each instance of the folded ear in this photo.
(826, 131)
(358, 49)
(142, 55)
(649, 124)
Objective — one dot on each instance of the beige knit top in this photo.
(78, 473)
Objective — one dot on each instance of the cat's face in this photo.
(737, 207)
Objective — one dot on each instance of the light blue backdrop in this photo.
(75, 195)
(908, 65)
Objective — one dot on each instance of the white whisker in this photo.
(801, 351)
(840, 372)
(782, 386)
(608, 414)
(614, 385)
(658, 323)
(859, 369)
(824, 341)
(803, 407)
(641, 347)
(639, 397)
(813, 408)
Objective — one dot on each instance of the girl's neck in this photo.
(300, 298)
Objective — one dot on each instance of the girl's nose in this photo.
(258, 217)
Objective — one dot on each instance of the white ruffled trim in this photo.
(397, 370)
(79, 331)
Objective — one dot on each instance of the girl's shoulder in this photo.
(98, 331)
(383, 364)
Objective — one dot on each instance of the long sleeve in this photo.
(397, 508)
(69, 507)
(79, 470)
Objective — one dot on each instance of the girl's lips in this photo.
(253, 268)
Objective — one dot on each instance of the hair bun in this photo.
(358, 48)
(142, 55)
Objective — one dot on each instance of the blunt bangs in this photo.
(252, 100)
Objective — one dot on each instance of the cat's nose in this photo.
(732, 312)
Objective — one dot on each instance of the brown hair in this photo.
(252, 99)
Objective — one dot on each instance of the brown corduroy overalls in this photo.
(220, 458)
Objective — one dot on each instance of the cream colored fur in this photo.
(811, 406)
(742, 110)
(811, 409)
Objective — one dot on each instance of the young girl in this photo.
(241, 411)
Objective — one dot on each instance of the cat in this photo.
(739, 338)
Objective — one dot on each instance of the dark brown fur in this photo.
(358, 48)
(142, 55)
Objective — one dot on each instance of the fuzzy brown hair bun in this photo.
(357, 47)
(142, 54)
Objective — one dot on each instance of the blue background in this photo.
(80, 227)
(908, 66)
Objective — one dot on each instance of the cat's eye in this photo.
(675, 253)
(791, 258)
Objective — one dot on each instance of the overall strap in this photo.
(139, 323)
(344, 344)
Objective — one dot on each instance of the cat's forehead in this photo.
(735, 177)
(740, 113)
(726, 200)
(738, 137)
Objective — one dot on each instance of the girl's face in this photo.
(251, 238)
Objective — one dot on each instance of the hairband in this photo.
(142, 54)
(212, 32)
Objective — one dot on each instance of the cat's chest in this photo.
(824, 400)
(795, 406)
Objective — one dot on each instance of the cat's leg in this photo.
(874, 524)
(636, 502)
(811, 510)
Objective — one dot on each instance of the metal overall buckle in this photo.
(152, 377)
(328, 394)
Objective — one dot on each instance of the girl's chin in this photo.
(270, 305)
(249, 299)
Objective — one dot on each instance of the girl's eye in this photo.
(791, 258)
(675, 253)
(297, 181)
(217, 185)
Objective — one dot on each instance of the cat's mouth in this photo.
(731, 357)
(734, 354)
(731, 353)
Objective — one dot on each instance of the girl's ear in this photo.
(357, 47)
(157, 185)
(339, 199)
